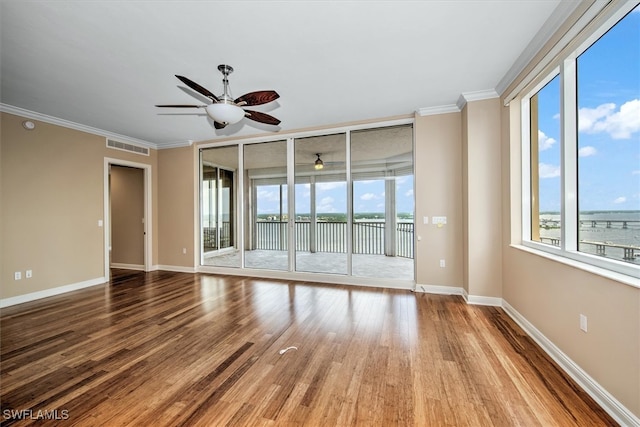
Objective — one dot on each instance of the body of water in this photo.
(603, 227)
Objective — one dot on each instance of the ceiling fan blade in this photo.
(257, 116)
(218, 125)
(258, 98)
(181, 106)
(195, 86)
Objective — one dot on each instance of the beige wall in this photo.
(127, 215)
(551, 294)
(176, 201)
(438, 192)
(481, 194)
(52, 192)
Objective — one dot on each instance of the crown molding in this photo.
(440, 109)
(478, 95)
(5, 108)
(175, 144)
(549, 28)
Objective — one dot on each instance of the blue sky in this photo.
(608, 125)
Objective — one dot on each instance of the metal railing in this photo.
(368, 237)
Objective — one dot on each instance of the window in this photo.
(581, 134)
(546, 201)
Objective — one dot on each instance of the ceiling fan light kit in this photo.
(224, 113)
(224, 110)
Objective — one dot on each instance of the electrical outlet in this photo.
(442, 263)
(17, 275)
(184, 251)
(583, 322)
(28, 274)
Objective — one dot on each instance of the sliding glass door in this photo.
(331, 204)
(266, 206)
(382, 177)
(321, 204)
(218, 200)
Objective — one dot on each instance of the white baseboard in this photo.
(439, 290)
(138, 267)
(610, 404)
(481, 300)
(452, 290)
(6, 302)
(174, 268)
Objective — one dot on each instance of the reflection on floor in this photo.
(319, 262)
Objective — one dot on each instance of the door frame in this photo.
(148, 228)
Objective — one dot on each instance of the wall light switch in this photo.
(583, 322)
(438, 220)
(425, 220)
(100, 223)
(17, 275)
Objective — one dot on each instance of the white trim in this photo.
(72, 125)
(609, 403)
(439, 109)
(148, 211)
(548, 29)
(553, 53)
(481, 300)
(123, 266)
(173, 268)
(583, 261)
(439, 290)
(478, 95)
(6, 302)
(176, 144)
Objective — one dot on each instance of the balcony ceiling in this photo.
(105, 64)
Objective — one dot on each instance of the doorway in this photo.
(127, 211)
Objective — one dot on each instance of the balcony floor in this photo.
(320, 262)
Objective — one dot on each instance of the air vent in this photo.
(125, 146)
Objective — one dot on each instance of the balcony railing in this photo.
(368, 237)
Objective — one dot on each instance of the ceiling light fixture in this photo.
(319, 163)
(225, 111)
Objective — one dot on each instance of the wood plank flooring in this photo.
(176, 349)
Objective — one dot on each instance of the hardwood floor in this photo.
(170, 349)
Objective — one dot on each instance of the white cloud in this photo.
(548, 171)
(604, 118)
(270, 196)
(409, 193)
(544, 142)
(587, 151)
(368, 196)
(326, 186)
(326, 205)
(635, 172)
(620, 199)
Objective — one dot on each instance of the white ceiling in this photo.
(105, 64)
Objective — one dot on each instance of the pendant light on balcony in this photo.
(319, 164)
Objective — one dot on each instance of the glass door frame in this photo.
(240, 208)
(217, 204)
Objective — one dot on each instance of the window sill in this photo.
(603, 272)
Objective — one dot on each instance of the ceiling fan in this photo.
(224, 110)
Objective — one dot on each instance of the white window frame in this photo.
(565, 66)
